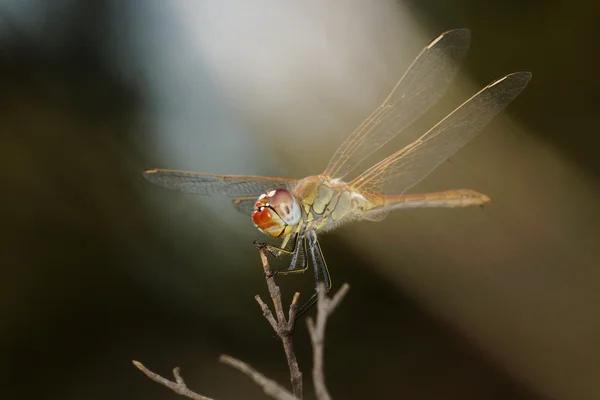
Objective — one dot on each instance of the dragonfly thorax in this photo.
(276, 213)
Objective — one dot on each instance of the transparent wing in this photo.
(414, 162)
(245, 205)
(228, 185)
(422, 85)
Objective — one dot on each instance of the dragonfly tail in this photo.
(450, 198)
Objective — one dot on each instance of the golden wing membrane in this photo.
(422, 85)
(207, 184)
(408, 166)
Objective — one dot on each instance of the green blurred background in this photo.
(99, 267)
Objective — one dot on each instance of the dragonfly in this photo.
(298, 210)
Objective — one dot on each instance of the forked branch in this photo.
(284, 328)
(178, 386)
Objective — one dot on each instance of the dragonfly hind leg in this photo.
(320, 270)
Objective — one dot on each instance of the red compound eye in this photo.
(275, 211)
(263, 218)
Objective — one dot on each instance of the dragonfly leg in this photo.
(299, 262)
(298, 252)
(321, 272)
(276, 251)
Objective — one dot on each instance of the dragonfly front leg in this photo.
(320, 270)
(299, 262)
(276, 251)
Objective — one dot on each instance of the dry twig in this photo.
(178, 386)
(270, 387)
(284, 329)
(325, 307)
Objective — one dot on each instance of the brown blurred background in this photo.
(99, 267)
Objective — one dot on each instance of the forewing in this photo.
(422, 85)
(207, 184)
(414, 162)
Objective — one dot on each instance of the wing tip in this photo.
(464, 32)
(458, 31)
(523, 76)
(155, 176)
(149, 174)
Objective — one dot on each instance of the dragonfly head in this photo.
(276, 213)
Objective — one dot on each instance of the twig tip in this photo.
(224, 358)
(295, 298)
(141, 367)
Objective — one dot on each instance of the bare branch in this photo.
(270, 387)
(294, 308)
(178, 386)
(325, 307)
(282, 327)
(267, 312)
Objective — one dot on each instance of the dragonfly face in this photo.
(296, 210)
(276, 213)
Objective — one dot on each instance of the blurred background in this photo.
(99, 267)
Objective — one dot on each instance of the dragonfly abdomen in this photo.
(449, 198)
